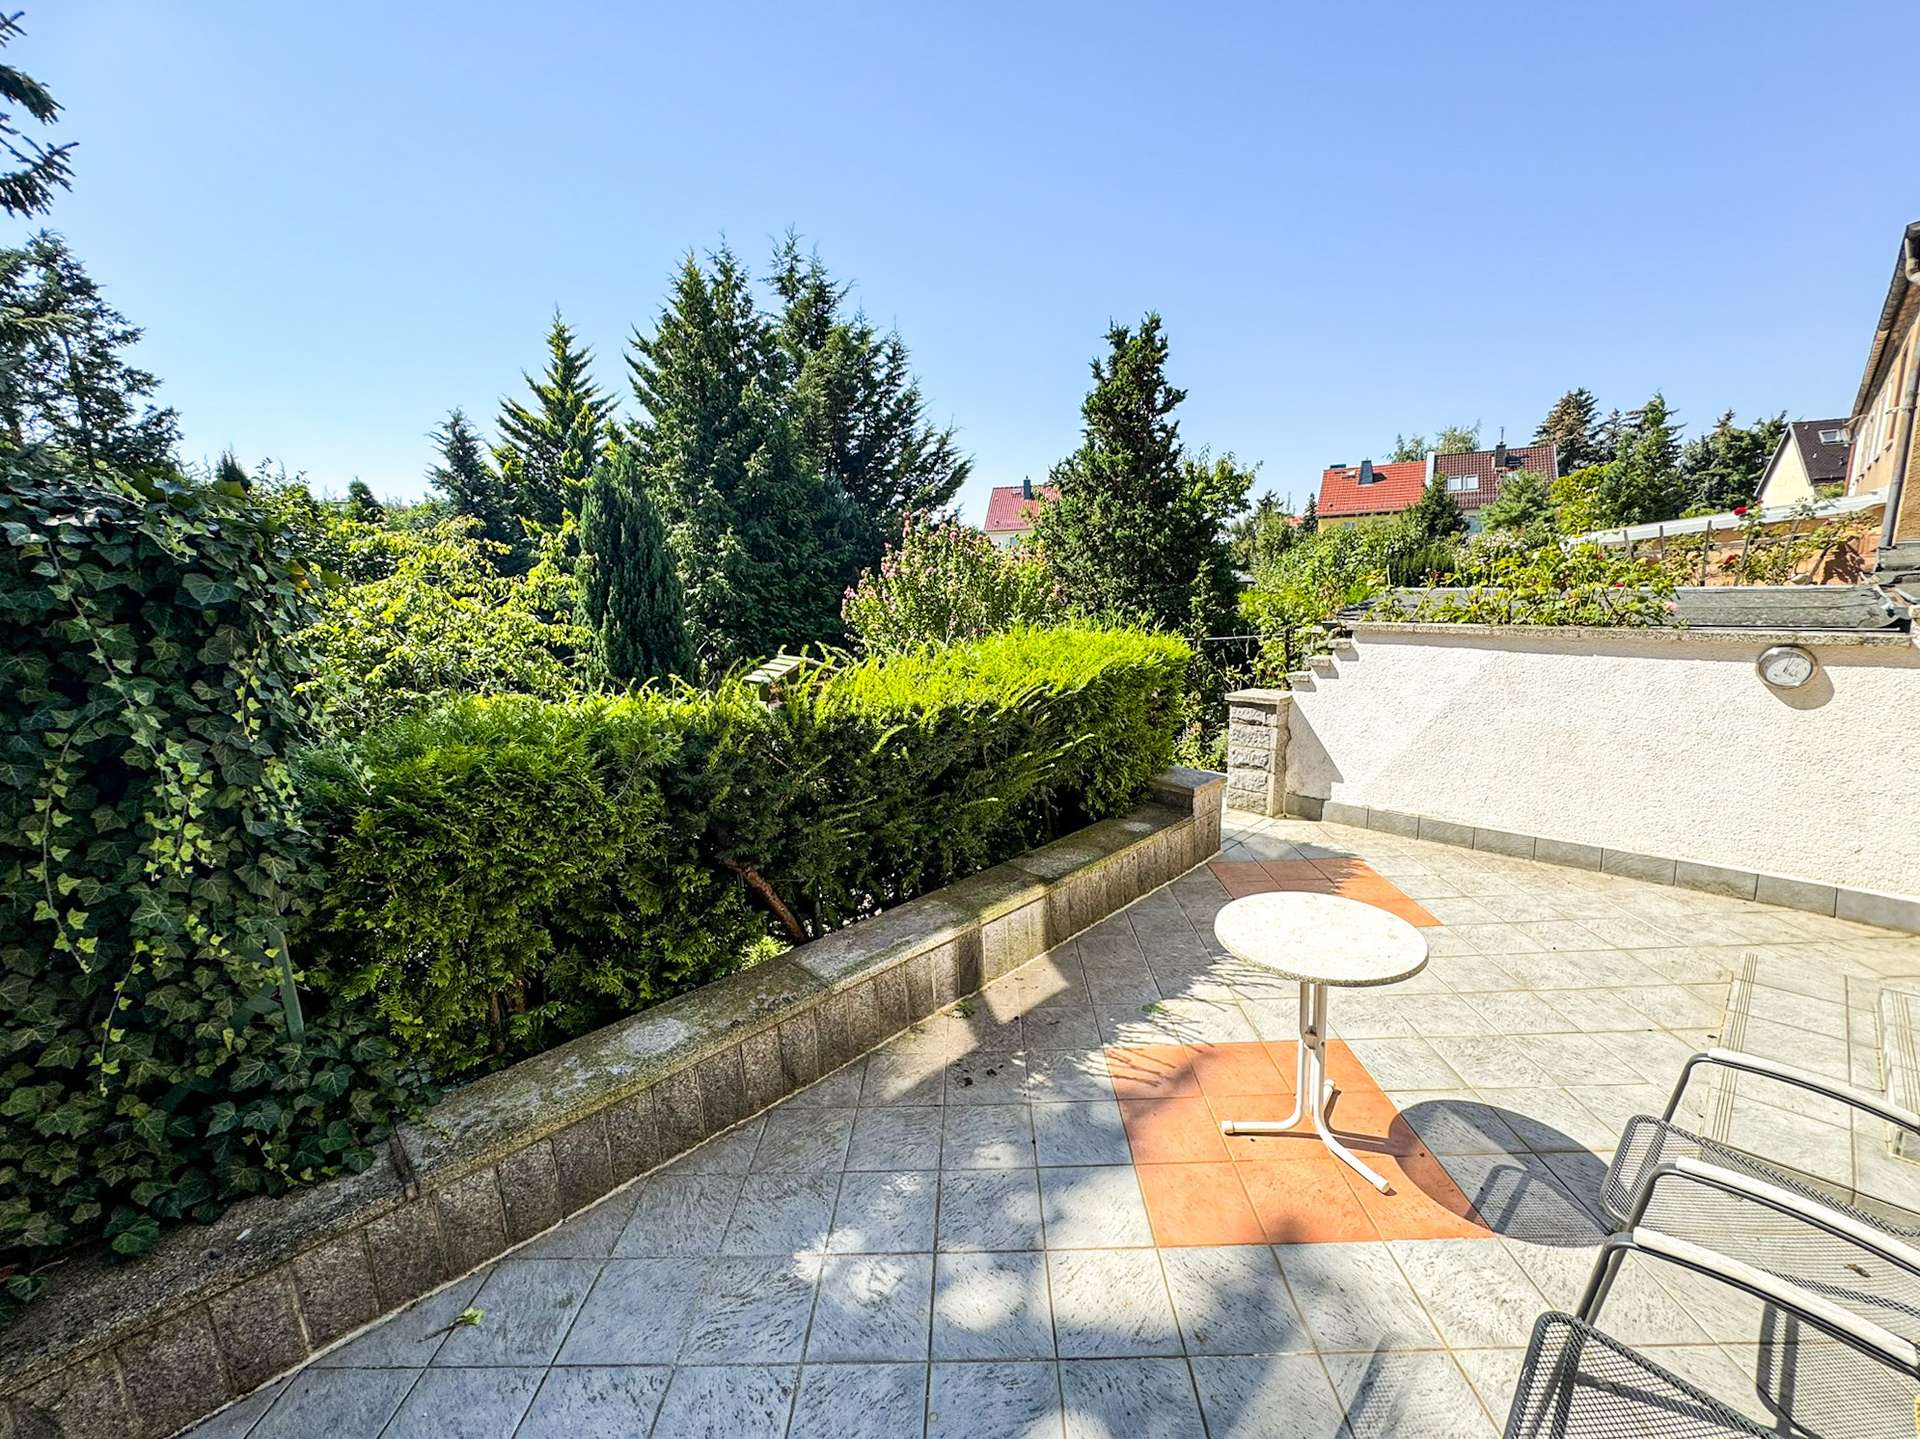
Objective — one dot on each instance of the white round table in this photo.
(1323, 941)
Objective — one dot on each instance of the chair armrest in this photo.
(1823, 1314)
(1827, 1218)
(1848, 1094)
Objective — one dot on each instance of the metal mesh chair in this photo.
(1833, 1376)
(1648, 1143)
(1578, 1382)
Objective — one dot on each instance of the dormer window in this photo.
(1833, 437)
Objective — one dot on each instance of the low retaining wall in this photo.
(144, 1349)
(1652, 753)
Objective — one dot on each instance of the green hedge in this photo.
(506, 873)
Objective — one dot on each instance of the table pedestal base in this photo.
(1310, 1079)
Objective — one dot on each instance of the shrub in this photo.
(1553, 584)
(509, 872)
(946, 582)
(431, 618)
(152, 1053)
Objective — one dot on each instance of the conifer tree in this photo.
(1722, 468)
(39, 168)
(764, 543)
(362, 506)
(64, 383)
(1139, 530)
(1436, 515)
(630, 595)
(1643, 481)
(471, 485)
(1524, 502)
(1310, 516)
(856, 408)
(1570, 428)
(548, 449)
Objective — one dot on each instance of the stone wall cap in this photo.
(1694, 634)
(1259, 697)
(1180, 780)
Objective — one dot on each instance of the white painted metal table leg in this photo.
(1310, 1078)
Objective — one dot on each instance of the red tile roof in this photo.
(1489, 468)
(1009, 511)
(1394, 487)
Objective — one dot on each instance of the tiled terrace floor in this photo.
(1020, 1219)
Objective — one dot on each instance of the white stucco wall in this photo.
(1663, 745)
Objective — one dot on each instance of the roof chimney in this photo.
(1366, 472)
(1500, 454)
(1026, 487)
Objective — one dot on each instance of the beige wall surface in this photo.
(1633, 741)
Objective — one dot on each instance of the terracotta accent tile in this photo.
(1344, 1070)
(1225, 1070)
(1297, 1142)
(1232, 871)
(1193, 1204)
(1367, 1119)
(1172, 1131)
(1425, 1202)
(1286, 870)
(1306, 1200)
(1241, 888)
(1152, 1071)
(1342, 867)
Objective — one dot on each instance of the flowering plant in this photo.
(946, 581)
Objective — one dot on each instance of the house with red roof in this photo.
(1357, 494)
(1012, 509)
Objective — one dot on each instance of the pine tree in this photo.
(1643, 482)
(1523, 502)
(765, 545)
(548, 450)
(1138, 532)
(229, 471)
(63, 382)
(41, 169)
(1722, 468)
(856, 407)
(1569, 427)
(362, 506)
(1436, 515)
(1310, 516)
(631, 598)
(472, 487)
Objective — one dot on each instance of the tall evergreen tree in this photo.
(1139, 530)
(1310, 516)
(630, 596)
(1524, 502)
(362, 506)
(1436, 515)
(39, 168)
(764, 543)
(1570, 428)
(1721, 469)
(1643, 482)
(470, 485)
(548, 449)
(856, 407)
(64, 382)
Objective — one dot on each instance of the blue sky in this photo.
(337, 221)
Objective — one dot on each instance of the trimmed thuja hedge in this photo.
(505, 873)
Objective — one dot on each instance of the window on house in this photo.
(1457, 483)
(1833, 437)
